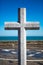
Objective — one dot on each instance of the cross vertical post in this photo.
(22, 35)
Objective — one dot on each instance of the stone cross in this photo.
(21, 26)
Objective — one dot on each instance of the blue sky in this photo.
(9, 12)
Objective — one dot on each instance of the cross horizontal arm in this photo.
(32, 25)
(11, 25)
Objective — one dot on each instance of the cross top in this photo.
(22, 21)
(22, 25)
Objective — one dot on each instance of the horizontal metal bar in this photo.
(34, 60)
(9, 59)
(17, 59)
